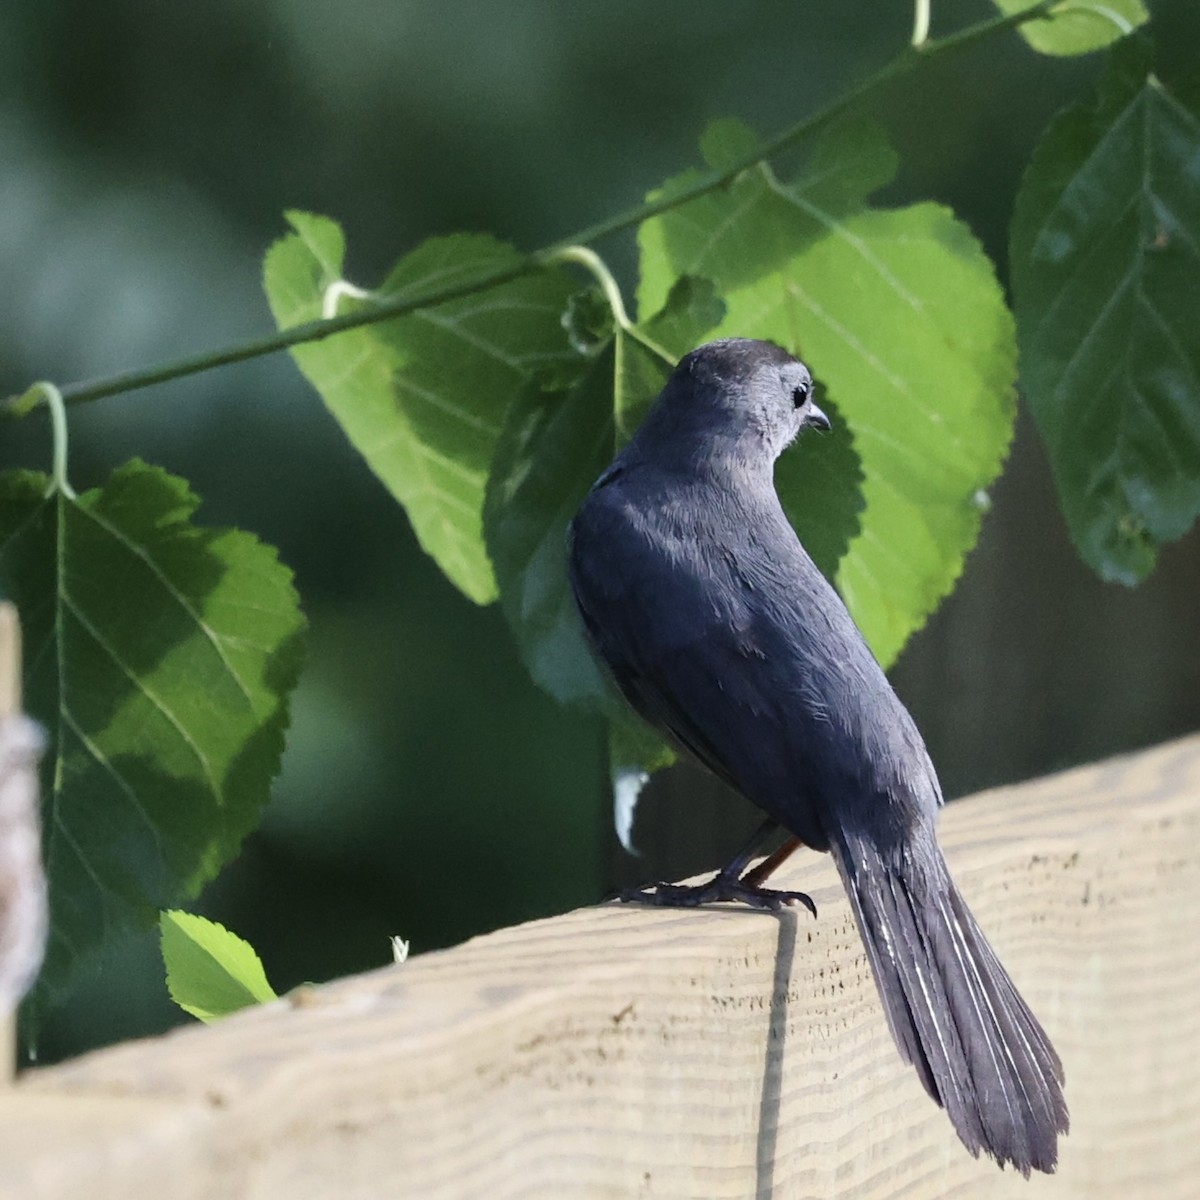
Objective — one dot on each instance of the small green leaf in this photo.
(852, 161)
(588, 321)
(159, 655)
(423, 397)
(1078, 26)
(1106, 270)
(210, 971)
(900, 317)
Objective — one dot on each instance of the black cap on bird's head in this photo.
(741, 392)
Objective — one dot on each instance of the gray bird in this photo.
(721, 633)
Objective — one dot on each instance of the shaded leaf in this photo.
(423, 397)
(846, 166)
(639, 374)
(1078, 26)
(1106, 270)
(210, 971)
(159, 656)
(556, 441)
(900, 317)
(819, 481)
(553, 446)
(588, 320)
(691, 309)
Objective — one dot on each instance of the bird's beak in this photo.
(816, 419)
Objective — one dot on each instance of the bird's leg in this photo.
(769, 865)
(729, 883)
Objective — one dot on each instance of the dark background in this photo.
(148, 150)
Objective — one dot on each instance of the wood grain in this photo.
(616, 1052)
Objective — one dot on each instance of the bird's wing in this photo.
(702, 675)
(750, 661)
(651, 689)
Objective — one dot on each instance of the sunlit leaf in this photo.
(159, 657)
(210, 971)
(423, 397)
(1078, 26)
(1106, 271)
(901, 319)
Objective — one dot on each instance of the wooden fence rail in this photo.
(617, 1052)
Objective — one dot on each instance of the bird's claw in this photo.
(718, 890)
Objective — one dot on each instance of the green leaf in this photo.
(639, 374)
(556, 441)
(210, 971)
(692, 308)
(423, 397)
(1106, 271)
(900, 317)
(553, 446)
(1078, 26)
(819, 481)
(588, 321)
(159, 655)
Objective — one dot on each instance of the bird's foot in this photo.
(720, 889)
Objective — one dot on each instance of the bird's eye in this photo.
(800, 395)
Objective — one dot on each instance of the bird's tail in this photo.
(953, 1010)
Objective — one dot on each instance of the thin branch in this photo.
(388, 308)
(52, 398)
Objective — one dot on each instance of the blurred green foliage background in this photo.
(146, 153)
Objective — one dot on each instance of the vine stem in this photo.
(386, 309)
(598, 269)
(52, 398)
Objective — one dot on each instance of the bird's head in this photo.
(741, 394)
